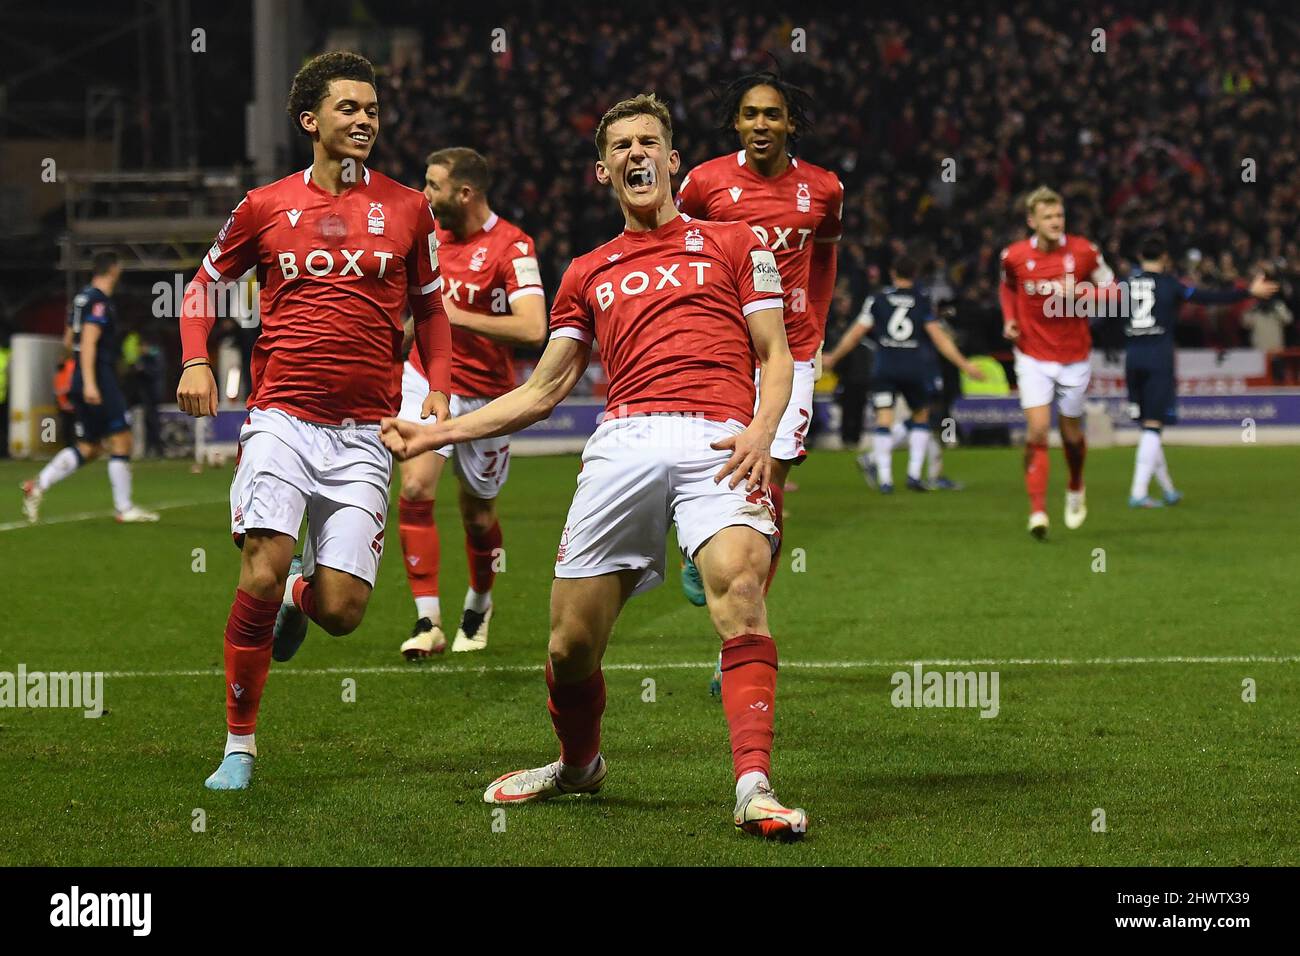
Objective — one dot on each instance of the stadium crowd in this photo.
(1143, 120)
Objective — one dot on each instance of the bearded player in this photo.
(492, 293)
(340, 250)
(1053, 345)
(680, 308)
(794, 208)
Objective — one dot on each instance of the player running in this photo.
(794, 207)
(340, 250)
(680, 308)
(1053, 345)
(1153, 299)
(102, 418)
(904, 366)
(492, 292)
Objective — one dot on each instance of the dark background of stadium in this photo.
(1150, 135)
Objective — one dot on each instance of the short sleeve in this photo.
(757, 275)
(570, 314)
(235, 250)
(866, 316)
(523, 276)
(97, 311)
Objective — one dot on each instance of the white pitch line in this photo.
(91, 515)
(418, 669)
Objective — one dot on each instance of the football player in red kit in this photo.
(1042, 279)
(794, 208)
(680, 307)
(340, 251)
(492, 292)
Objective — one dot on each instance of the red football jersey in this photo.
(335, 274)
(788, 213)
(1030, 277)
(668, 308)
(485, 273)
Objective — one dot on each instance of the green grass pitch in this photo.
(1095, 712)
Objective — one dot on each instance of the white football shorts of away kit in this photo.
(335, 475)
(482, 465)
(641, 473)
(1041, 382)
(788, 445)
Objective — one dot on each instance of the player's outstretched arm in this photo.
(558, 370)
(750, 459)
(847, 343)
(1259, 288)
(948, 349)
(524, 324)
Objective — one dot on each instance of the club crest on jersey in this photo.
(735, 193)
(694, 241)
(476, 261)
(375, 219)
(803, 198)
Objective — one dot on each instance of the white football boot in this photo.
(426, 639)
(541, 783)
(472, 634)
(1038, 525)
(32, 496)
(759, 813)
(1076, 508)
(136, 515)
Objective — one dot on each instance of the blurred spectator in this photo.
(1152, 134)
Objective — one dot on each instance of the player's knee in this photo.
(260, 579)
(742, 590)
(571, 650)
(416, 488)
(478, 521)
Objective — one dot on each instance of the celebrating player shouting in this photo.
(339, 250)
(679, 307)
(794, 207)
(493, 296)
(1053, 345)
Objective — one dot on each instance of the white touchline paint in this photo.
(92, 515)
(415, 669)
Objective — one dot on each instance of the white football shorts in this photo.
(788, 445)
(641, 473)
(1041, 383)
(335, 475)
(482, 465)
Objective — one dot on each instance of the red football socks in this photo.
(483, 552)
(304, 598)
(749, 699)
(1075, 453)
(1036, 475)
(249, 632)
(576, 710)
(420, 546)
